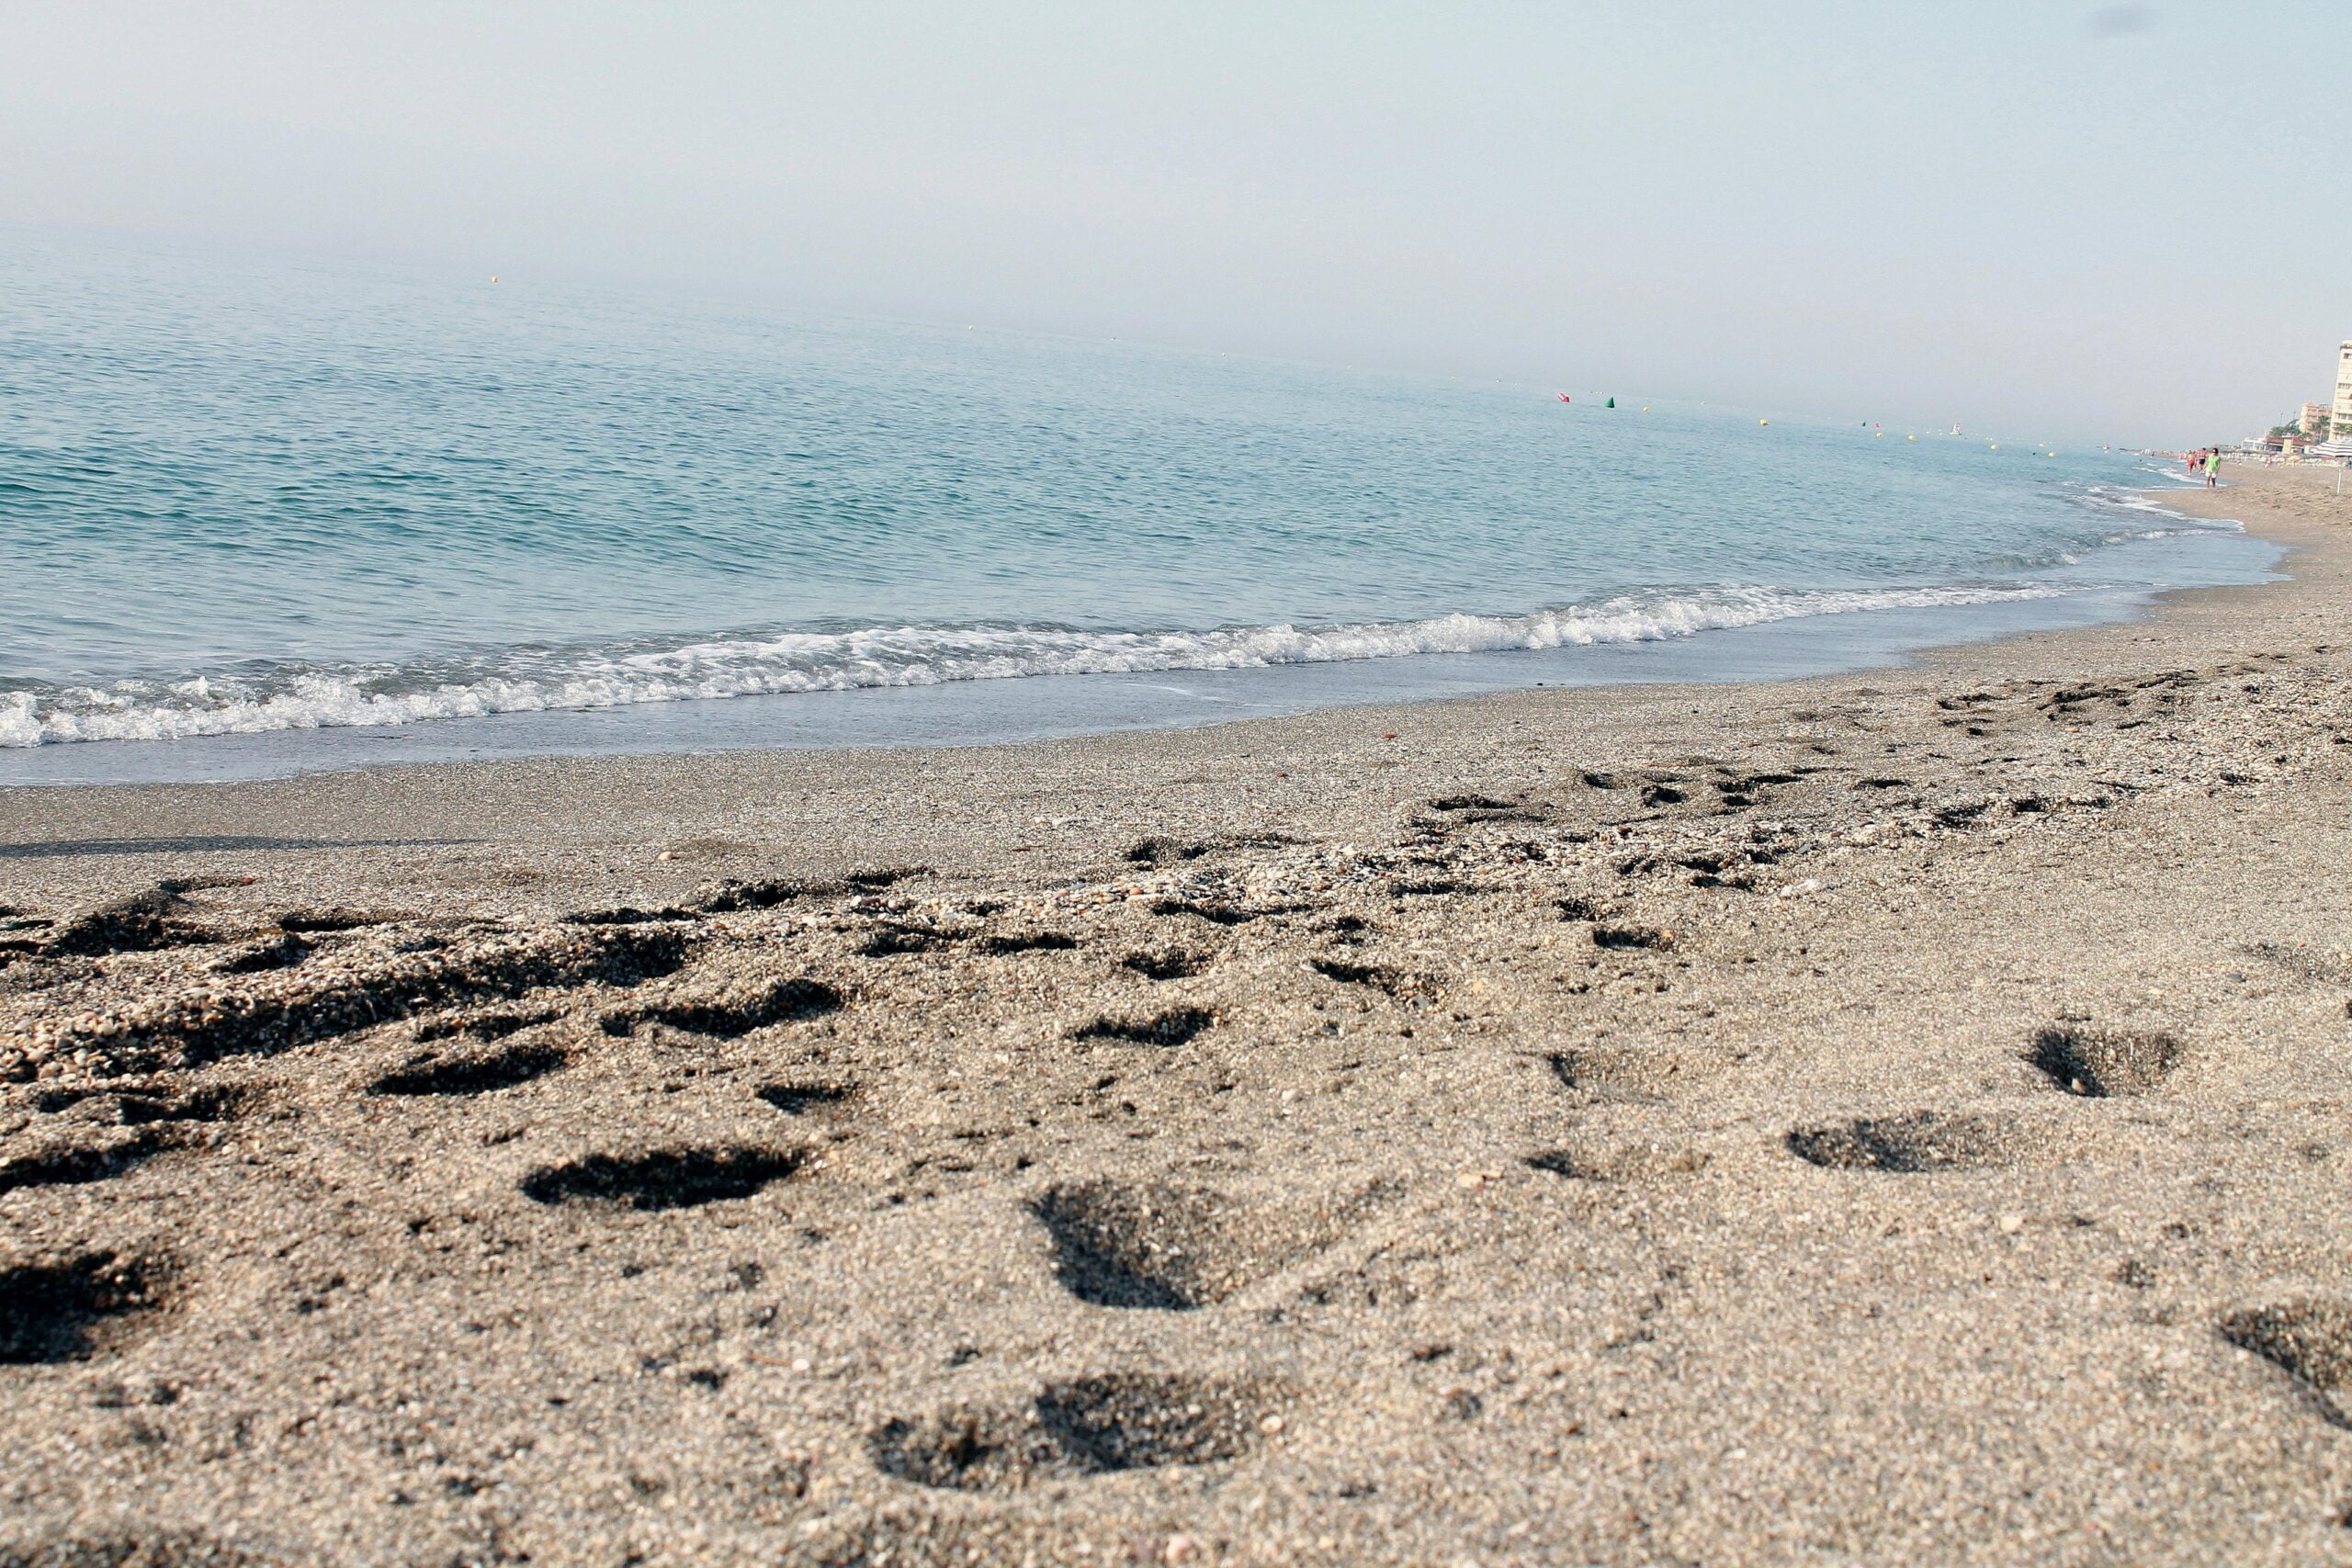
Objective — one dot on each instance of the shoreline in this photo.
(2294, 534)
(1783, 1122)
(986, 712)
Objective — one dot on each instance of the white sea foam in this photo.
(2125, 499)
(540, 681)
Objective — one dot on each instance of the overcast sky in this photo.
(2063, 221)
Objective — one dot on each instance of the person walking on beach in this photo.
(2213, 467)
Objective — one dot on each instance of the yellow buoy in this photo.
(1910, 438)
(1878, 435)
(1763, 421)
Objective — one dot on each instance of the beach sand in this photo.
(1885, 1119)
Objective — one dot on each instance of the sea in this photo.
(261, 516)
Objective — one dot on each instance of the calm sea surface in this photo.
(355, 513)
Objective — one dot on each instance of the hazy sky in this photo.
(2062, 221)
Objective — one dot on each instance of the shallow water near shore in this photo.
(271, 518)
(995, 711)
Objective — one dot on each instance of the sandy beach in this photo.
(1895, 1118)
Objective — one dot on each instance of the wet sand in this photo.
(1880, 1119)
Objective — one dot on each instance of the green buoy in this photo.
(1610, 404)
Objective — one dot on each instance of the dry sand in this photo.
(1897, 1119)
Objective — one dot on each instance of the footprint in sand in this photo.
(1164, 852)
(159, 917)
(732, 1012)
(664, 1179)
(99, 1134)
(1174, 1248)
(76, 1308)
(472, 1072)
(1618, 1164)
(1091, 1426)
(1913, 1141)
(1168, 964)
(1636, 1072)
(279, 1012)
(801, 1097)
(1028, 941)
(1376, 977)
(1171, 1028)
(2310, 1339)
(2097, 1063)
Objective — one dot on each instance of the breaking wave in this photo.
(542, 678)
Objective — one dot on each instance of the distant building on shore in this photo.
(2338, 447)
(2314, 416)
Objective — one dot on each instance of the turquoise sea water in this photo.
(308, 503)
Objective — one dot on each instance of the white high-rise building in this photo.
(2339, 444)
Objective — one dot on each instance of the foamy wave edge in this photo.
(880, 657)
